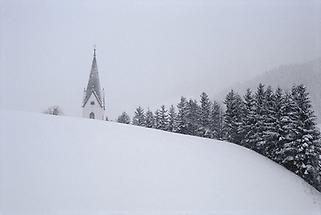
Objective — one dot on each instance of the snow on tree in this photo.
(260, 114)
(233, 117)
(216, 121)
(181, 119)
(157, 117)
(149, 119)
(193, 117)
(124, 118)
(172, 119)
(280, 124)
(163, 119)
(270, 130)
(283, 152)
(54, 110)
(248, 121)
(204, 116)
(139, 117)
(302, 151)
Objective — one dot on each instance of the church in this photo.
(93, 105)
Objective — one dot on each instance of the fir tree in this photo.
(157, 117)
(216, 121)
(181, 119)
(260, 114)
(139, 117)
(248, 121)
(163, 120)
(270, 130)
(281, 124)
(233, 118)
(192, 118)
(302, 152)
(149, 119)
(124, 118)
(204, 116)
(283, 151)
(172, 119)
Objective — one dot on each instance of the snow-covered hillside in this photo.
(61, 165)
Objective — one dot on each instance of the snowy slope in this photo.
(61, 165)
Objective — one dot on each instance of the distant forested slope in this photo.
(308, 73)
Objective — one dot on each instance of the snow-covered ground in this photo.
(62, 165)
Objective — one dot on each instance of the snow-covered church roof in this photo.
(93, 85)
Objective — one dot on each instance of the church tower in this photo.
(94, 98)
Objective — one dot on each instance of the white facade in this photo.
(92, 109)
(94, 97)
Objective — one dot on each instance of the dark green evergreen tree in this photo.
(302, 152)
(249, 121)
(139, 117)
(270, 129)
(124, 118)
(163, 120)
(181, 119)
(172, 119)
(216, 121)
(157, 117)
(260, 114)
(150, 120)
(233, 118)
(204, 116)
(192, 118)
(280, 124)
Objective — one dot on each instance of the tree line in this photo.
(278, 124)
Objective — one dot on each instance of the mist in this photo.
(149, 53)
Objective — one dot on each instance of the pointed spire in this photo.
(93, 85)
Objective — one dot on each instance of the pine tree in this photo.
(270, 130)
(260, 114)
(233, 118)
(192, 118)
(150, 120)
(281, 124)
(181, 119)
(216, 121)
(302, 152)
(204, 116)
(139, 117)
(124, 118)
(248, 121)
(172, 119)
(284, 152)
(163, 120)
(157, 117)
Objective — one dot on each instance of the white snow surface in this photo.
(63, 165)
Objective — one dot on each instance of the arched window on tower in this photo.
(92, 115)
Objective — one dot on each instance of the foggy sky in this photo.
(148, 52)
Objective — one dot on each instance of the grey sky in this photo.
(148, 52)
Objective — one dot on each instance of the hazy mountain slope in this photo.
(62, 165)
(308, 73)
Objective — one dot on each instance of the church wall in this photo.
(95, 108)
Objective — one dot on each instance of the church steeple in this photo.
(93, 105)
(93, 86)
